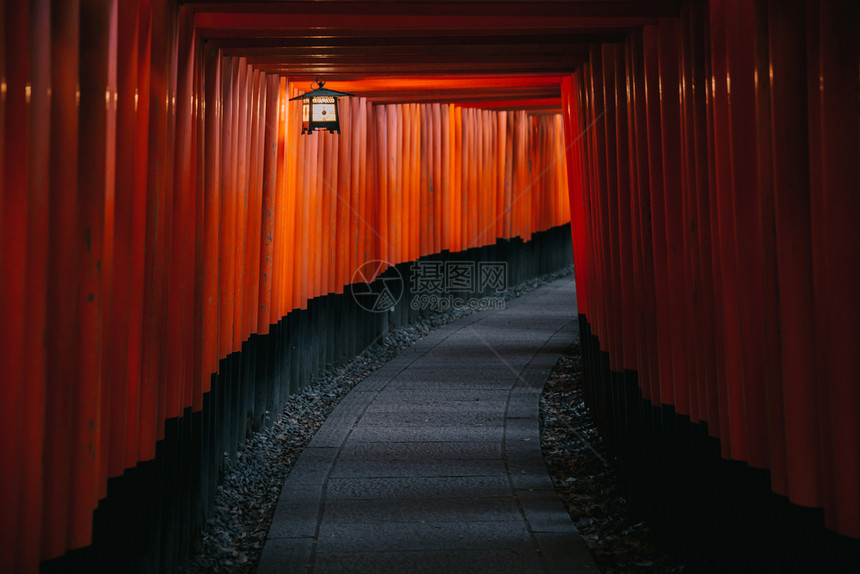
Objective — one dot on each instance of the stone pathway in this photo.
(432, 464)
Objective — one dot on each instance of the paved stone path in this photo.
(432, 464)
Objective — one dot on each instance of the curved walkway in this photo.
(432, 464)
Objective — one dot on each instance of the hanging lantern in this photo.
(319, 108)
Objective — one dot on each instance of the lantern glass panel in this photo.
(324, 109)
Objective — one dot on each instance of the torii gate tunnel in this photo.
(176, 259)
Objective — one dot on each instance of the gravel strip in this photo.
(236, 530)
(585, 478)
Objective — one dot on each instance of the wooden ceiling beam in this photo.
(607, 9)
(436, 52)
(348, 40)
(428, 51)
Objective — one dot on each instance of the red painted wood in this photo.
(227, 224)
(690, 254)
(180, 306)
(625, 232)
(93, 233)
(62, 375)
(665, 352)
(770, 359)
(138, 237)
(240, 214)
(37, 244)
(201, 378)
(726, 313)
(279, 199)
(747, 221)
(837, 271)
(672, 204)
(255, 198)
(126, 308)
(267, 208)
(643, 254)
(13, 262)
(291, 156)
(698, 210)
(212, 220)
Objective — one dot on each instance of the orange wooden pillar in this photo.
(663, 394)
(643, 264)
(437, 176)
(364, 181)
(792, 201)
(604, 327)
(698, 244)
(833, 47)
(673, 202)
(267, 204)
(258, 129)
(383, 184)
(574, 183)
(240, 205)
(62, 374)
(730, 395)
(137, 334)
(227, 199)
(36, 243)
(291, 253)
(332, 283)
(278, 200)
(214, 118)
(502, 183)
(741, 43)
(626, 296)
(180, 305)
(126, 306)
(649, 380)
(770, 358)
(200, 378)
(95, 209)
(446, 167)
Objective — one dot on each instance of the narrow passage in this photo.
(433, 463)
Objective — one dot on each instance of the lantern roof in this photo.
(321, 91)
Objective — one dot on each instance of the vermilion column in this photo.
(212, 219)
(771, 360)
(629, 285)
(227, 225)
(836, 235)
(240, 192)
(665, 392)
(673, 205)
(13, 286)
(62, 373)
(642, 239)
(279, 204)
(792, 201)
(692, 258)
(747, 219)
(126, 311)
(36, 240)
(255, 202)
(267, 205)
(180, 302)
(95, 225)
(137, 333)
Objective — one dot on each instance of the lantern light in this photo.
(319, 108)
